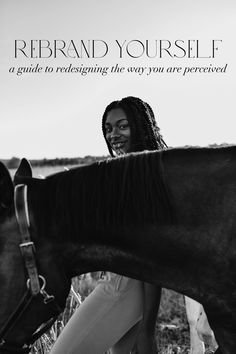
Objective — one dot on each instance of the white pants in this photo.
(108, 317)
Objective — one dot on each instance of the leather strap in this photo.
(26, 246)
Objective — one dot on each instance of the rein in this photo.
(35, 284)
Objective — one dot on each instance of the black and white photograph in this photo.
(117, 177)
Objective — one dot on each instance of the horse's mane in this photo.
(114, 192)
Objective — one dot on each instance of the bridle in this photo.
(35, 284)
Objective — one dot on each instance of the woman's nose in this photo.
(115, 132)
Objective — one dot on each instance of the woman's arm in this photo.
(146, 337)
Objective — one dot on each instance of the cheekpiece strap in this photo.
(26, 246)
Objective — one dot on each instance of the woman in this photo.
(120, 313)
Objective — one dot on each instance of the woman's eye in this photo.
(124, 126)
(108, 129)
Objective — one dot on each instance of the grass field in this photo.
(172, 332)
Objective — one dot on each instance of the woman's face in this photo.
(117, 129)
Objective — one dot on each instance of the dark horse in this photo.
(162, 217)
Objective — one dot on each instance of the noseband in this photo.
(35, 284)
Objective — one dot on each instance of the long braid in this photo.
(156, 130)
(145, 133)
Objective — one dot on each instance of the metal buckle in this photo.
(46, 297)
(27, 244)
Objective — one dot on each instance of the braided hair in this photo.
(145, 133)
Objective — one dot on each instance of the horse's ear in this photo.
(6, 188)
(24, 170)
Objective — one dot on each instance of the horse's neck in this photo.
(150, 254)
(167, 254)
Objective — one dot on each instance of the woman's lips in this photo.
(118, 145)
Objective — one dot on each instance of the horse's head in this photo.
(27, 289)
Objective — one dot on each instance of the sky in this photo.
(58, 114)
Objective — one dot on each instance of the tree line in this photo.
(64, 161)
(14, 162)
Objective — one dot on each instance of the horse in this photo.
(166, 218)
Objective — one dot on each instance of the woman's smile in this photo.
(117, 130)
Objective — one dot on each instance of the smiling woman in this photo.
(130, 305)
(117, 131)
(121, 118)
